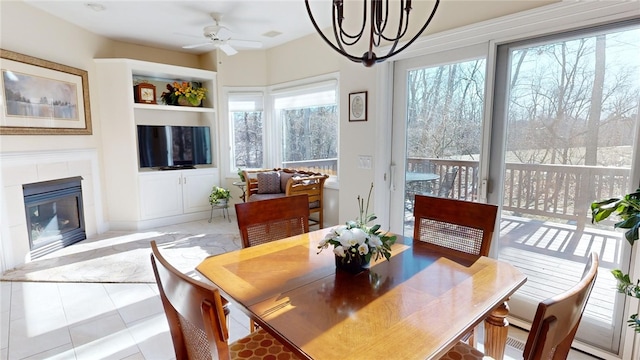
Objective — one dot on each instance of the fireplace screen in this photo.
(54, 214)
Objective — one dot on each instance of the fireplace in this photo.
(55, 216)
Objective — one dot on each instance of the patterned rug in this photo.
(123, 258)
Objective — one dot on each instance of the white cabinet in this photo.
(142, 198)
(171, 193)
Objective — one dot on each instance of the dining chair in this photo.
(464, 228)
(554, 325)
(263, 221)
(197, 319)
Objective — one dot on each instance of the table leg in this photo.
(496, 328)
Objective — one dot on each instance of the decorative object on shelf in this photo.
(219, 196)
(144, 93)
(61, 94)
(378, 22)
(358, 106)
(356, 242)
(626, 208)
(184, 94)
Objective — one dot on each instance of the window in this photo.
(308, 119)
(301, 131)
(247, 128)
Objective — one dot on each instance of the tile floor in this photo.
(41, 320)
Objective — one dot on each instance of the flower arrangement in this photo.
(357, 241)
(193, 94)
(217, 194)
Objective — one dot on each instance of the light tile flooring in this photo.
(100, 320)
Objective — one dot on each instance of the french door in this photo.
(562, 134)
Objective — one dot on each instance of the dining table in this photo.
(416, 305)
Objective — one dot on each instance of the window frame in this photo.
(272, 126)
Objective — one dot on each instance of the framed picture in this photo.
(358, 106)
(40, 97)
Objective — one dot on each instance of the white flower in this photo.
(339, 250)
(374, 241)
(352, 237)
(363, 249)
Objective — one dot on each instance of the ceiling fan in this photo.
(222, 38)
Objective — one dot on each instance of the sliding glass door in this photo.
(437, 130)
(566, 116)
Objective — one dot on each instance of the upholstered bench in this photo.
(272, 183)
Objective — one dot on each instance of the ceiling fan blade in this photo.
(227, 49)
(246, 43)
(223, 33)
(193, 46)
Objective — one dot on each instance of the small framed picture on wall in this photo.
(358, 106)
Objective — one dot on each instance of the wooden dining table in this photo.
(415, 306)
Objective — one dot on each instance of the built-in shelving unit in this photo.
(142, 198)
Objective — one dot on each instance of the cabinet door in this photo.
(196, 189)
(160, 194)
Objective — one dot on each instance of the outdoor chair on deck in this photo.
(446, 183)
(273, 219)
(554, 325)
(196, 316)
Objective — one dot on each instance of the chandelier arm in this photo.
(315, 25)
(343, 33)
(392, 53)
(402, 30)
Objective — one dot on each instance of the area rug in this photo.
(123, 258)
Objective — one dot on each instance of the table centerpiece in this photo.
(356, 242)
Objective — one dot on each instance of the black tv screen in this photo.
(170, 147)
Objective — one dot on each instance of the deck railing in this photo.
(559, 191)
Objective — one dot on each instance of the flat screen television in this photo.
(173, 147)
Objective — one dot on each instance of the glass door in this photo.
(565, 118)
(437, 129)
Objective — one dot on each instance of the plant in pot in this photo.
(627, 208)
(219, 196)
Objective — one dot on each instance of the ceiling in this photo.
(173, 24)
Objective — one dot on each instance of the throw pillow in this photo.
(268, 183)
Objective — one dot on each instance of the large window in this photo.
(308, 119)
(300, 131)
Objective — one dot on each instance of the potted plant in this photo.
(626, 208)
(219, 196)
(184, 94)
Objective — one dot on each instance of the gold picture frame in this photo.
(358, 106)
(40, 97)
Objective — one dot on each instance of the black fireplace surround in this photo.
(55, 216)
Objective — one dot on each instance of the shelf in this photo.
(173, 108)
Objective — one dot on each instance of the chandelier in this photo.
(378, 21)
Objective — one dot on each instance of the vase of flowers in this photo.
(184, 94)
(356, 242)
